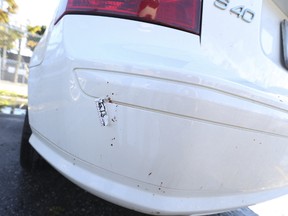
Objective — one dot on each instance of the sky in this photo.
(35, 12)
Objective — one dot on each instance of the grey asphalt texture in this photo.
(45, 191)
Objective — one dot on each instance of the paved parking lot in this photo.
(46, 192)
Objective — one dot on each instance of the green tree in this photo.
(40, 30)
(11, 7)
(8, 36)
(34, 35)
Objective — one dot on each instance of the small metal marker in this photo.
(103, 115)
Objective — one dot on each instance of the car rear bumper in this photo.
(145, 197)
(184, 135)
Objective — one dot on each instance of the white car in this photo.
(170, 107)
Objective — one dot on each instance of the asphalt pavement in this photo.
(45, 191)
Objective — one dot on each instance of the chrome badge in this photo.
(246, 14)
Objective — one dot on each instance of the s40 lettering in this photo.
(241, 11)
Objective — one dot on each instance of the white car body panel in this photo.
(196, 124)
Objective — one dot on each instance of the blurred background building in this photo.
(17, 42)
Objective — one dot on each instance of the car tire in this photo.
(29, 158)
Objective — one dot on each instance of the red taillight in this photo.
(180, 14)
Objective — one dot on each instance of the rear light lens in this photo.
(180, 14)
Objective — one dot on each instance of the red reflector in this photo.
(180, 14)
